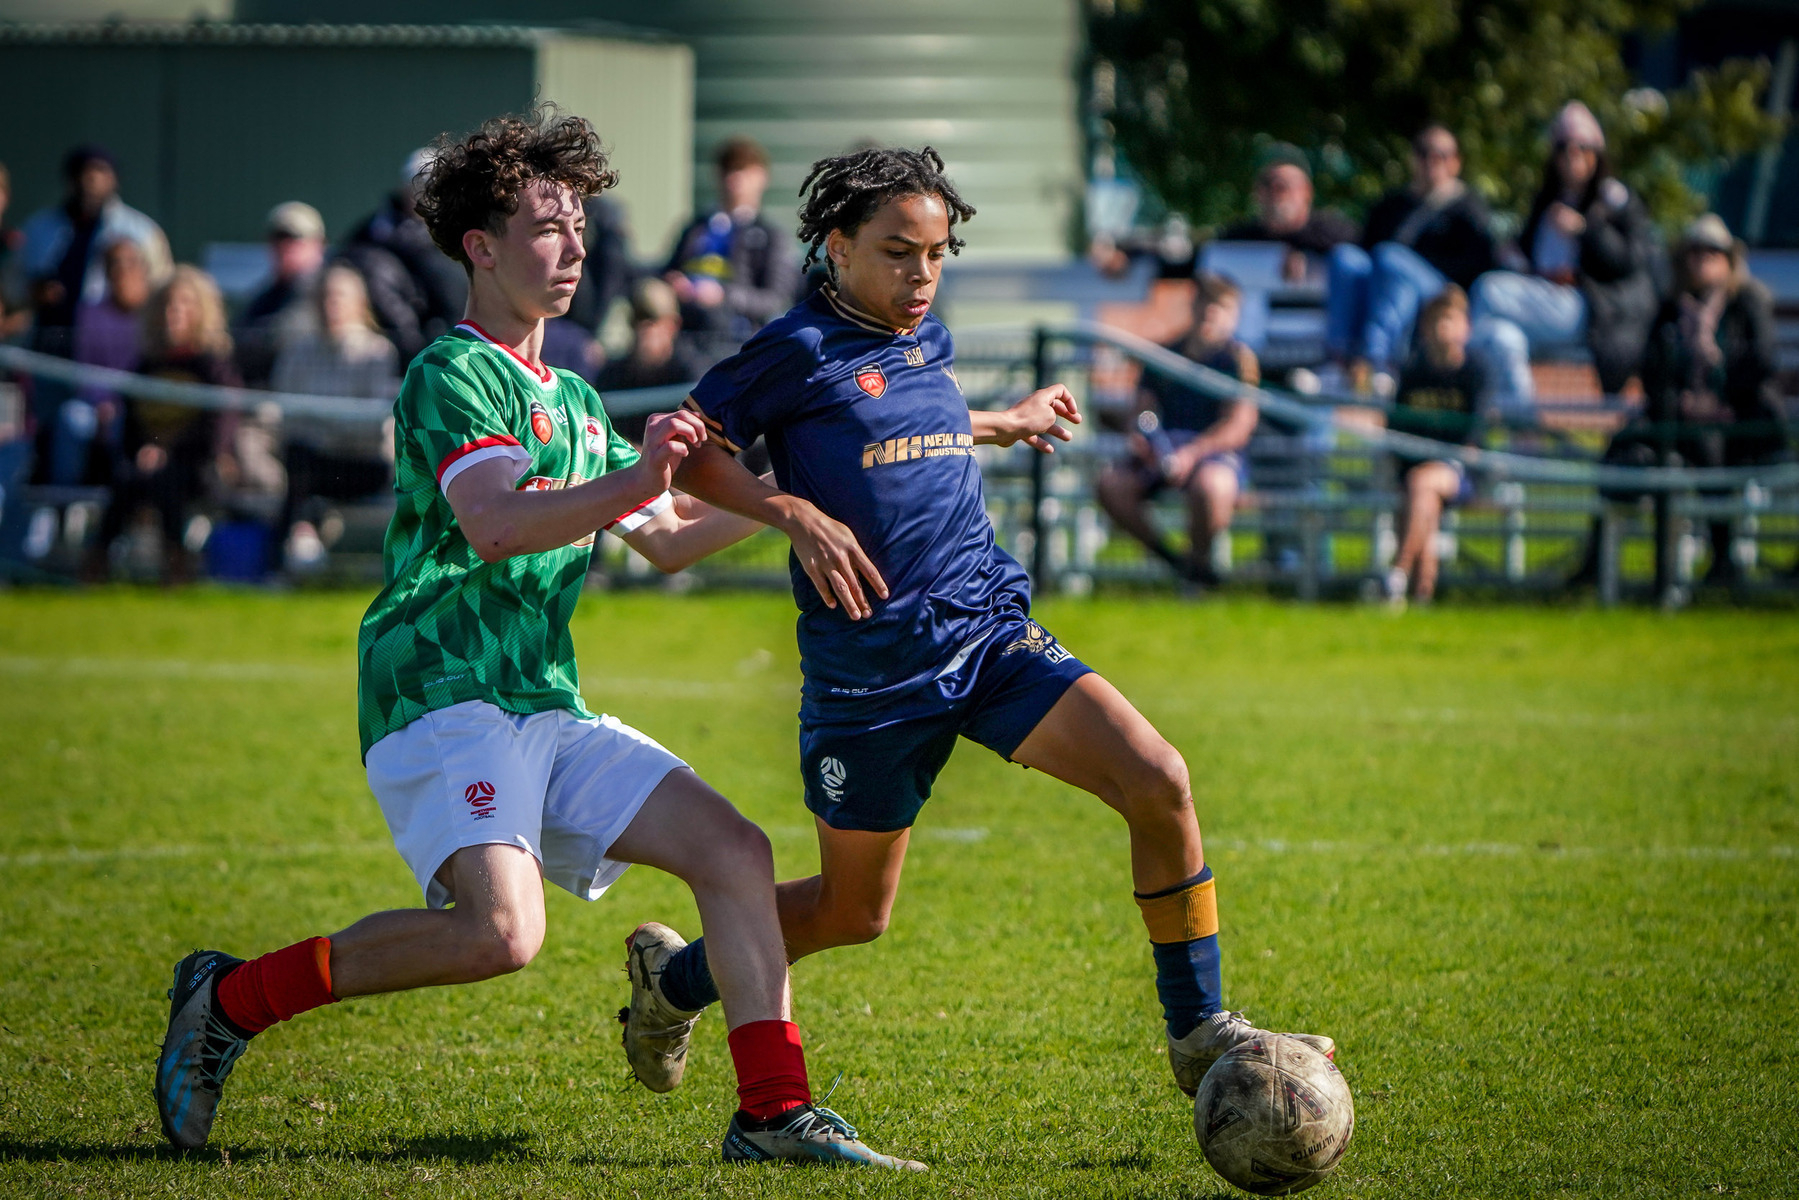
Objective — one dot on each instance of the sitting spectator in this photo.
(1589, 248)
(1712, 397)
(1416, 240)
(732, 269)
(168, 447)
(1442, 395)
(329, 459)
(416, 292)
(287, 308)
(1284, 213)
(1189, 440)
(107, 334)
(658, 358)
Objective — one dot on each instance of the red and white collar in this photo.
(540, 374)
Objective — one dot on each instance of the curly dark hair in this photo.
(473, 182)
(845, 191)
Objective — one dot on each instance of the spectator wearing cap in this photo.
(1586, 276)
(1284, 213)
(732, 270)
(287, 309)
(1711, 393)
(60, 255)
(416, 292)
(658, 358)
(1416, 240)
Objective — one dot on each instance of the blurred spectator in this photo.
(59, 259)
(569, 346)
(107, 334)
(658, 358)
(332, 459)
(1589, 250)
(1416, 239)
(1189, 440)
(14, 312)
(416, 291)
(168, 447)
(1442, 395)
(732, 270)
(607, 275)
(1712, 398)
(1284, 213)
(287, 309)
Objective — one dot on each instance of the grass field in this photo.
(1535, 870)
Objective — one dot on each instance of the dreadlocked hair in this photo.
(845, 191)
(474, 182)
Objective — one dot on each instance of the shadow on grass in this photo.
(460, 1149)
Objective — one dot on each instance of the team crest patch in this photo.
(542, 428)
(915, 356)
(595, 436)
(1036, 640)
(870, 379)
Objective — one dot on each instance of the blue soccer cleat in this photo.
(805, 1134)
(198, 1053)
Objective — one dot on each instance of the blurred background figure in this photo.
(1284, 213)
(287, 309)
(329, 459)
(108, 333)
(659, 357)
(167, 448)
(733, 270)
(1588, 250)
(1189, 441)
(571, 341)
(415, 291)
(15, 311)
(1442, 395)
(1417, 239)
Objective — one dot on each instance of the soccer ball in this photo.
(1273, 1116)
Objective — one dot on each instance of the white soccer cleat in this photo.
(1192, 1056)
(807, 1134)
(656, 1032)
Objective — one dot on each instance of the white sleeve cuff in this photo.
(520, 457)
(636, 518)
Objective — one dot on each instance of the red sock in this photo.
(771, 1068)
(278, 986)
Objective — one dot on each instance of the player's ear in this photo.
(478, 245)
(837, 247)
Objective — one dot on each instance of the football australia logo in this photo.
(831, 774)
(542, 428)
(480, 797)
(870, 379)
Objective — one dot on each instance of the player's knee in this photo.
(504, 948)
(866, 925)
(1160, 788)
(742, 851)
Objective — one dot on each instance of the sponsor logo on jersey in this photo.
(543, 483)
(595, 435)
(1036, 640)
(831, 774)
(480, 797)
(924, 445)
(542, 427)
(870, 379)
(915, 356)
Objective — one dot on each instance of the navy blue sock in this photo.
(1189, 975)
(687, 979)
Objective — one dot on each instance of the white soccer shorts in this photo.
(552, 783)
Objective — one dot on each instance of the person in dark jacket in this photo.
(1711, 392)
(1589, 253)
(732, 270)
(1284, 213)
(1416, 240)
(287, 309)
(416, 291)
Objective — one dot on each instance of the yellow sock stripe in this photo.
(1183, 916)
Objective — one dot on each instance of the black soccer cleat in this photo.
(198, 1053)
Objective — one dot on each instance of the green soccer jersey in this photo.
(448, 627)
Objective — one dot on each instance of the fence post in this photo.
(1039, 542)
(1311, 530)
(1609, 551)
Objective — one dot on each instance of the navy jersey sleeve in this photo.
(756, 389)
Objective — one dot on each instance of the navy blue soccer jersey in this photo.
(868, 423)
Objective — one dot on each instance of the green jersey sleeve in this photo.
(452, 420)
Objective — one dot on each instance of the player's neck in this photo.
(503, 324)
(849, 300)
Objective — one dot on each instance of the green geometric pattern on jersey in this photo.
(448, 627)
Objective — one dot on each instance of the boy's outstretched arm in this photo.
(1033, 420)
(826, 549)
(688, 531)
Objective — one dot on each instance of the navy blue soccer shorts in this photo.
(876, 772)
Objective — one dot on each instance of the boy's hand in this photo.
(667, 439)
(1038, 417)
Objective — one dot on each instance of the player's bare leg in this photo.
(1429, 486)
(851, 898)
(1096, 740)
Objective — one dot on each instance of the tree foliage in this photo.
(1192, 89)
